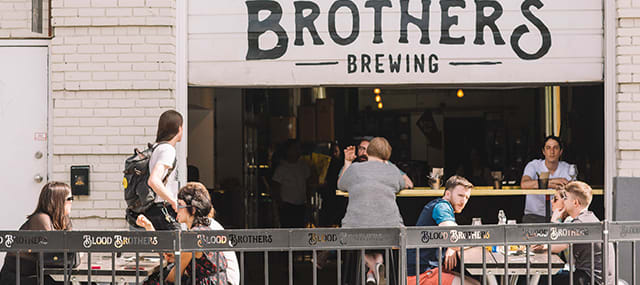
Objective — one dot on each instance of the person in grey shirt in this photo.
(372, 187)
(535, 208)
(576, 204)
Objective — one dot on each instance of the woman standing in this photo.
(51, 214)
(163, 177)
(194, 207)
(372, 187)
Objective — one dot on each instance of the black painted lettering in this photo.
(422, 23)
(522, 29)
(379, 63)
(303, 22)
(257, 28)
(433, 63)
(377, 6)
(408, 63)
(448, 21)
(355, 21)
(365, 61)
(418, 63)
(488, 21)
(394, 66)
(351, 63)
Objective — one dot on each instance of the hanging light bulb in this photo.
(378, 98)
(460, 94)
(379, 105)
(376, 91)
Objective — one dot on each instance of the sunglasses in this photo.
(183, 206)
(70, 198)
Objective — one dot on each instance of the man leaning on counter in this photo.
(535, 208)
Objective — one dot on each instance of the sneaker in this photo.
(380, 274)
(371, 279)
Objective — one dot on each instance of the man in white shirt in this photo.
(536, 205)
(290, 186)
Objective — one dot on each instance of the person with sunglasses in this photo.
(51, 214)
(193, 207)
(558, 212)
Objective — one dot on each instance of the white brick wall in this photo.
(112, 74)
(628, 97)
(15, 19)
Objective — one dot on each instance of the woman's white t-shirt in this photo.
(233, 269)
(165, 154)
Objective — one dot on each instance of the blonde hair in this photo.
(581, 191)
(379, 147)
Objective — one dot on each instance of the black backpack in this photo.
(137, 193)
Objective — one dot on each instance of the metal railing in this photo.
(301, 246)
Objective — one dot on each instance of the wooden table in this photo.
(538, 264)
(101, 268)
(477, 191)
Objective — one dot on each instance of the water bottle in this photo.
(502, 218)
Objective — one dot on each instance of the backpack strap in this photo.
(175, 161)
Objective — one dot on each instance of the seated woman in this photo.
(372, 187)
(193, 211)
(51, 214)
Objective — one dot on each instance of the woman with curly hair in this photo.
(194, 207)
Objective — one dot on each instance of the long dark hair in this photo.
(194, 194)
(51, 202)
(168, 125)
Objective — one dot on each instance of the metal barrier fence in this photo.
(289, 249)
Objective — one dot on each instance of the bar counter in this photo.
(477, 191)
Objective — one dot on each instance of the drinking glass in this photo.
(573, 172)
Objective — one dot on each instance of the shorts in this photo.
(430, 277)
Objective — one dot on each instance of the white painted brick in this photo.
(625, 135)
(153, 112)
(146, 121)
(119, 85)
(63, 67)
(132, 113)
(90, 49)
(131, 57)
(146, 85)
(77, 76)
(145, 48)
(128, 140)
(104, 57)
(131, 75)
(107, 204)
(626, 116)
(129, 103)
(95, 103)
(159, 75)
(106, 131)
(119, 12)
(145, 66)
(167, 103)
(72, 140)
(69, 85)
(63, 49)
(107, 112)
(131, 21)
(118, 66)
(142, 12)
(132, 131)
(105, 76)
(77, 58)
(160, 3)
(63, 103)
(629, 126)
(104, 3)
(59, 113)
(93, 122)
(92, 85)
(91, 12)
(160, 21)
(93, 140)
(121, 122)
(79, 131)
(102, 39)
(80, 113)
(104, 21)
(116, 213)
(147, 103)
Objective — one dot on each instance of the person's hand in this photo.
(174, 205)
(539, 247)
(407, 182)
(557, 183)
(558, 215)
(169, 257)
(144, 222)
(350, 153)
(450, 259)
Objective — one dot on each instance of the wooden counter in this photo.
(478, 191)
